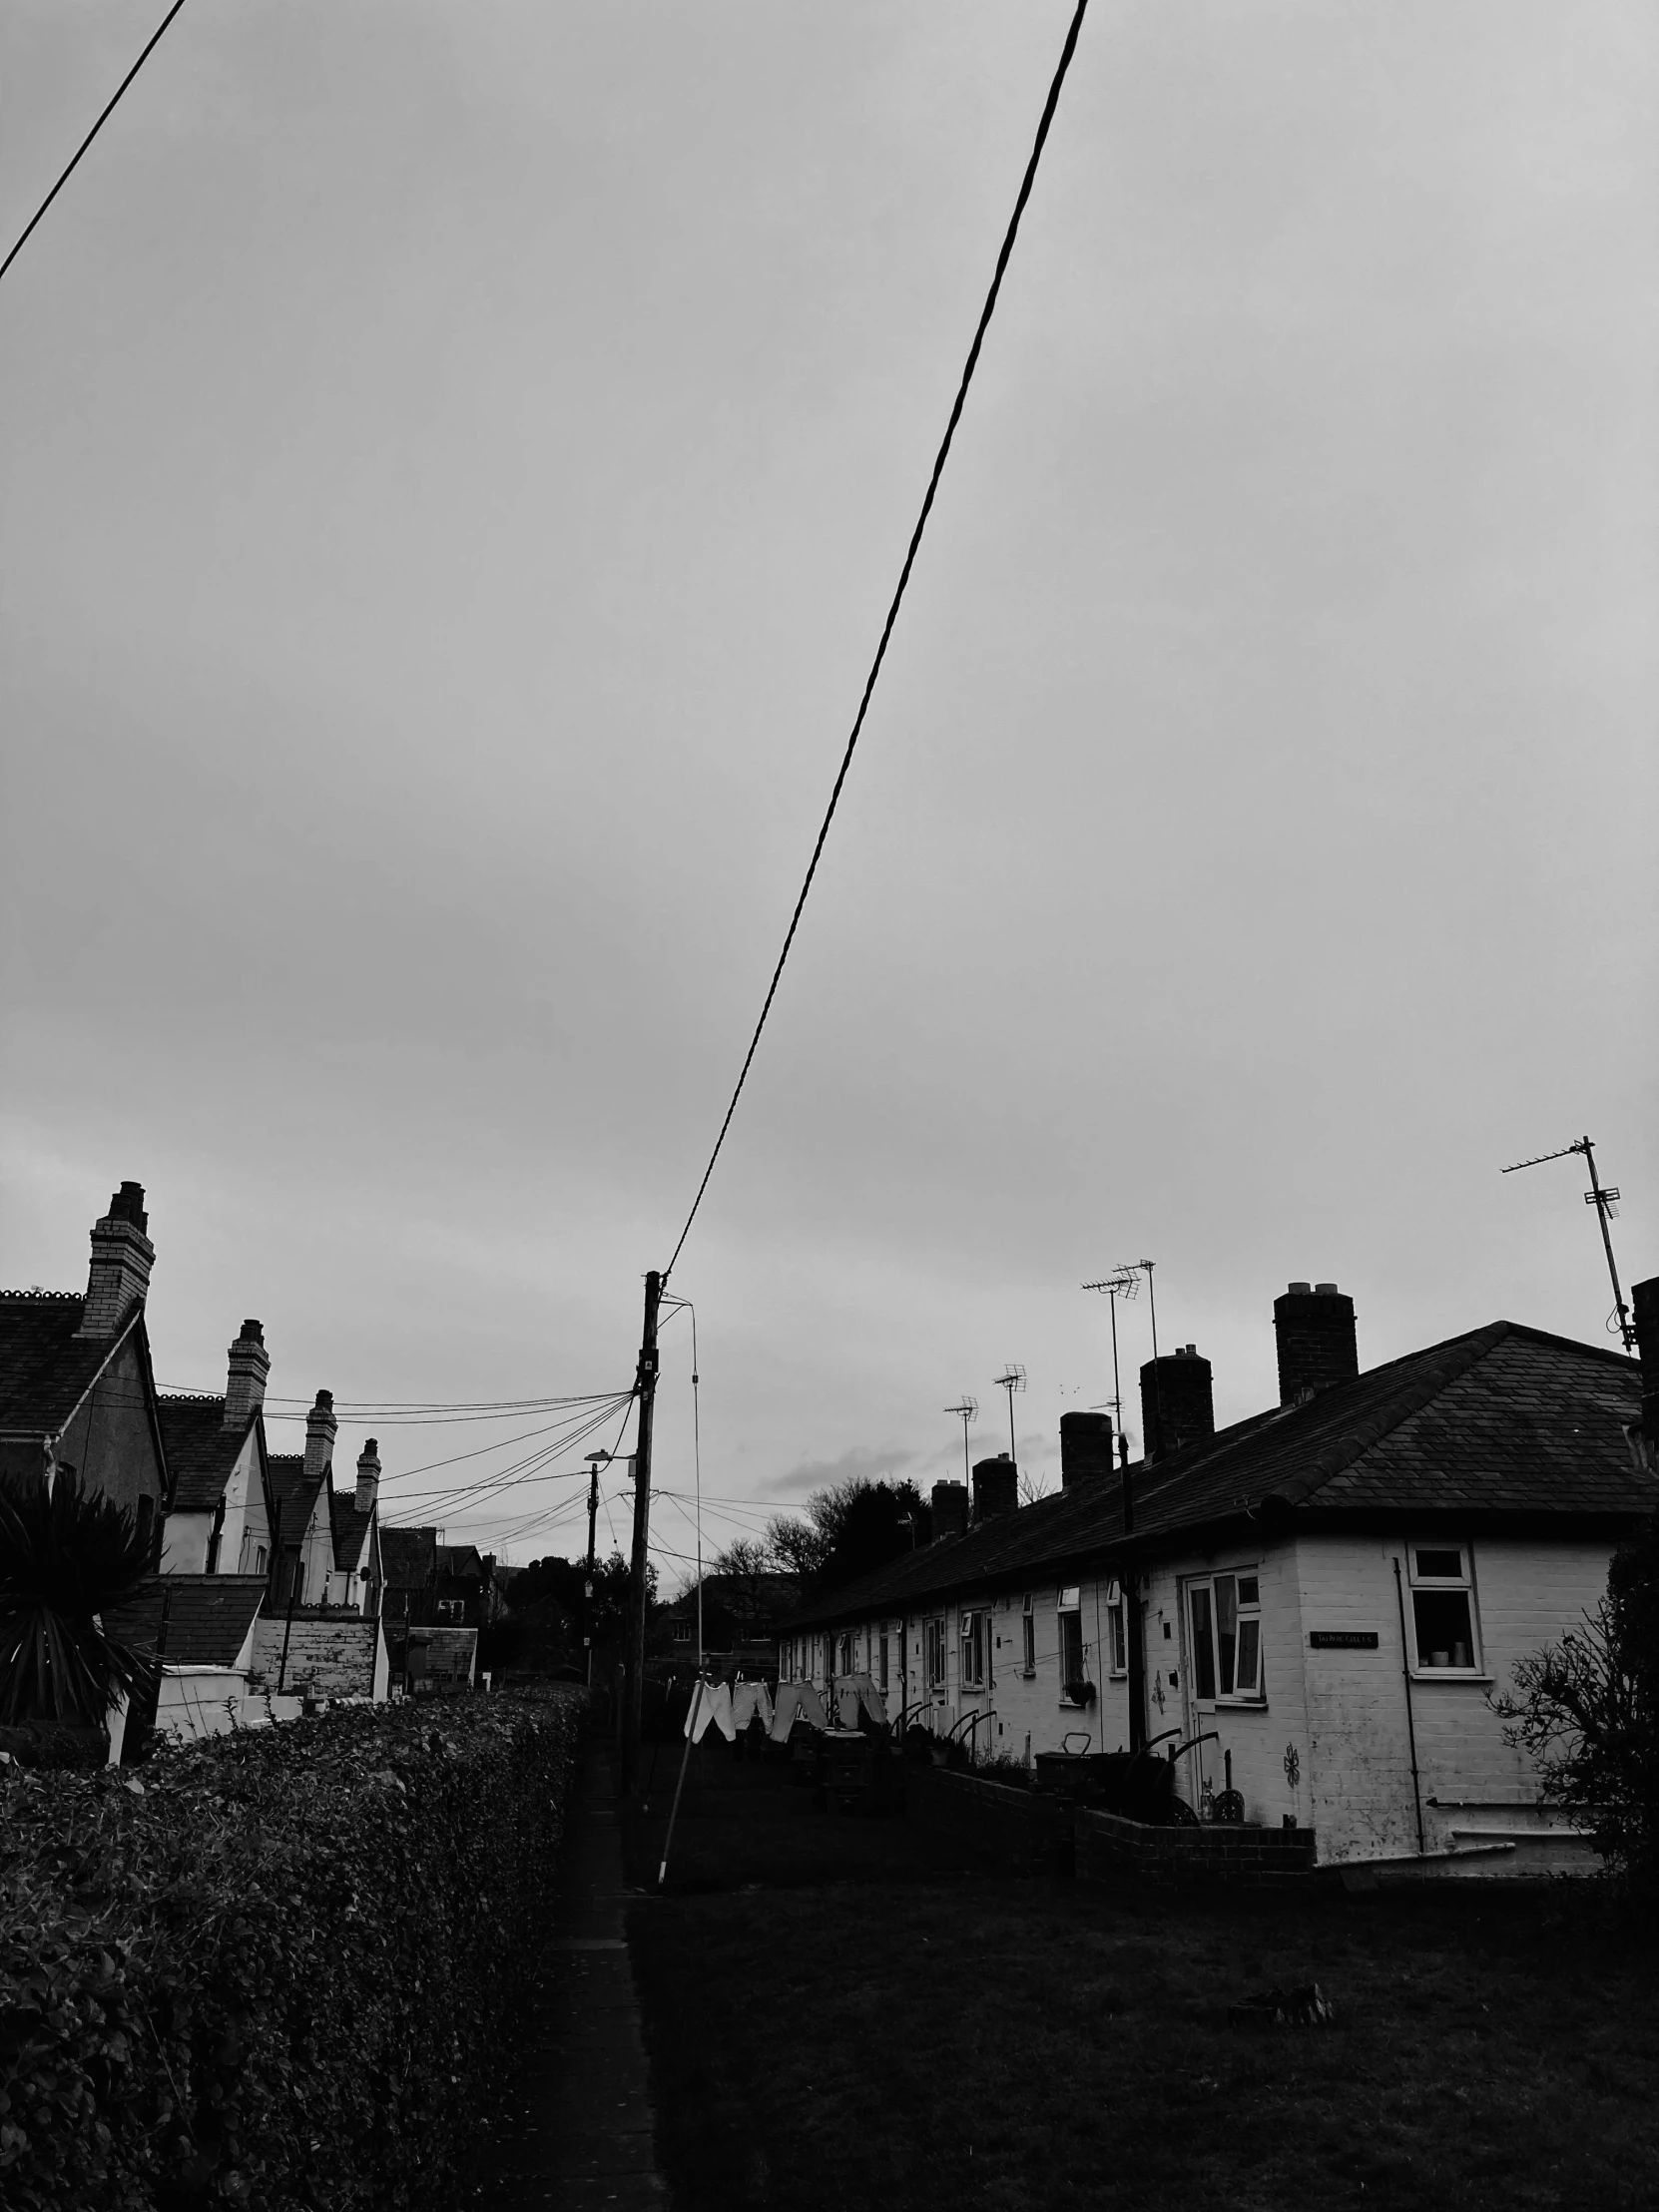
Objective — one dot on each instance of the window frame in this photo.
(971, 1638)
(936, 1644)
(1462, 1585)
(1028, 1640)
(1205, 1648)
(1117, 1635)
(1064, 1612)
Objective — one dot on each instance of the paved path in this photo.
(580, 2134)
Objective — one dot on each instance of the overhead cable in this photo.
(154, 41)
(941, 458)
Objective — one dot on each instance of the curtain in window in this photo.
(1204, 1642)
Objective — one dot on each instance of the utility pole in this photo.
(633, 1680)
(596, 1460)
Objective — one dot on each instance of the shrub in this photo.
(272, 1972)
(1587, 1709)
(67, 1556)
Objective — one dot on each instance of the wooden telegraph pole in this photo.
(633, 1681)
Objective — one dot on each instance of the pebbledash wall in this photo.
(335, 1653)
(1328, 1744)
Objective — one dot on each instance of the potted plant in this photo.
(1078, 1693)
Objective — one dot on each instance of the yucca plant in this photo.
(67, 1557)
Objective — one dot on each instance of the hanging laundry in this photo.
(749, 1701)
(713, 1704)
(797, 1701)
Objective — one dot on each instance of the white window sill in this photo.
(1028, 1674)
(1451, 1674)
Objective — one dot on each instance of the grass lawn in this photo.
(851, 2033)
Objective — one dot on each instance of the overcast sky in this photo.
(454, 460)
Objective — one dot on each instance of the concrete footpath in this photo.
(578, 2135)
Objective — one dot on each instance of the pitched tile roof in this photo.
(209, 1616)
(200, 1451)
(290, 1494)
(351, 1529)
(409, 1557)
(45, 1370)
(1505, 1420)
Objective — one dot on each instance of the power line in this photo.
(154, 41)
(944, 454)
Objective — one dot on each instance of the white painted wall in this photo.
(1528, 1592)
(1326, 1743)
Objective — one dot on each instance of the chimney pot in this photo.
(121, 1257)
(1317, 1343)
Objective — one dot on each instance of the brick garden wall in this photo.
(1108, 1846)
(1018, 1829)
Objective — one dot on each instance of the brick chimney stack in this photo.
(1644, 1300)
(320, 1425)
(121, 1257)
(1085, 1448)
(1178, 1405)
(245, 1381)
(950, 1509)
(1317, 1347)
(368, 1476)
(995, 1487)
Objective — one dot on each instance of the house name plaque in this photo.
(1343, 1639)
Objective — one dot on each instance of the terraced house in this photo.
(1311, 1607)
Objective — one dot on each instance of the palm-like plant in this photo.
(65, 1558)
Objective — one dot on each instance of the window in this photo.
(1072, 1646)
(1226, 1614)
(1442, 1609)
(454, 1609)
(881, 1657)
(845, 1666)
(1028, 1640)
(973, 1651)
(1118, 1635)
(682, 1632)
(260, 1559)
(935, 1653)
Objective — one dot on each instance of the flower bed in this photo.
(272, 1968)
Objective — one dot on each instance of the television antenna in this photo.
(1011, 1379)
(1606, 1204)
(1124, 1281)
(966, 1411)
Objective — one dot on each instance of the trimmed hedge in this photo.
(272, 1970)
